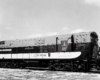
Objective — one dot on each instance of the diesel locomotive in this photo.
(71, 52)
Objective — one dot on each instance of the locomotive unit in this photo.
(72, 52)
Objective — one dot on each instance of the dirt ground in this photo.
(25, 74)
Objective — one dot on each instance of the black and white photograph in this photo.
(49, 40)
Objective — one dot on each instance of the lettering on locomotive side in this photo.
(39, 55)
(5, 49)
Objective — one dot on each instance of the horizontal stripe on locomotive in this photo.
(56, 55)
(37, 49)
(45, 49)
(4, 50)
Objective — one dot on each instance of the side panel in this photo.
(56, 55)
(5, 56)
(82, 37)
(65, 55)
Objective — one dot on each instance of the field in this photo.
(26, 74)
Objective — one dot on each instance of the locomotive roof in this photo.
(93, 34)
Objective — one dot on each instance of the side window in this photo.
(2, 42)
(64, 45)
(95, 51)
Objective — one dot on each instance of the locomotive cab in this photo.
(98, 59)
(94, 44)
(95, 50)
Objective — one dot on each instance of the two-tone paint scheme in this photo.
(53, 47)
(77, 47)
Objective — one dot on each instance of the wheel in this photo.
(3, 65)
(57, 66)
(51, 66)
(74, 66)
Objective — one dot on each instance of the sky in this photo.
(21, 19)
